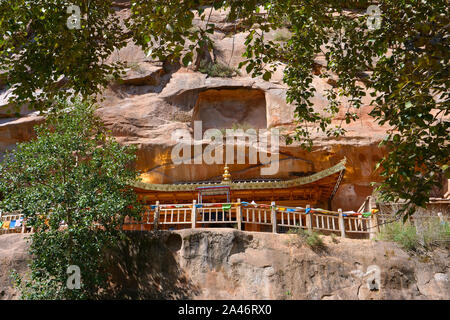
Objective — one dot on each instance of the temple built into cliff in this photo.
(316, 189)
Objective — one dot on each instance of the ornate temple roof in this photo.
(247, 185)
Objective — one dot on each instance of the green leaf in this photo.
(187, 59)
(267, 75)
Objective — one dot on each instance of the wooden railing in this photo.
(7, 220)
(325, 222)
(358, 224)
(193, 215)
(215, 214)
(175, 216)
(329, 221)
(258, 216)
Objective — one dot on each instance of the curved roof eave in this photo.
(246, 185)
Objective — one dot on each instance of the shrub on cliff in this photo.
(72, 184)
(215, 69)
(432, 233)
(311, 238)
(403, 233)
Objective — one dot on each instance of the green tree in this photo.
(404, 64)
(72, 184)
(39, 52)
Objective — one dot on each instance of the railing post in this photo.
(239, 214)
(373, 225)
(194, 213)
(309, 218)
(274, 217)
(367, 204)
(341, 223)
(156, 217)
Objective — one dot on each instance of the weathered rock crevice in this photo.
(238, 108)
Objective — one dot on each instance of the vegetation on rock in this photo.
(282, 35)
(214, 69)
(311, 238)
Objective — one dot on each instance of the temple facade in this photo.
(316, 190)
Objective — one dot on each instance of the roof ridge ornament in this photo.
(226, 175)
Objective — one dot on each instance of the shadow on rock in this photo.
(144, 266)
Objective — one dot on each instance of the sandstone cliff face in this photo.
(154, 99)
(231, 264)
(13, 256)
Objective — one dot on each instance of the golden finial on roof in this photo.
(226, 175)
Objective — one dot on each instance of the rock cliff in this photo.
(231, 264)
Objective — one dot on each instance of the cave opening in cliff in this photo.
(231, 108)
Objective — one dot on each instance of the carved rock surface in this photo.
(230, 264)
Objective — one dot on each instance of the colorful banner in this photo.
(228, 206)
(323, 211)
